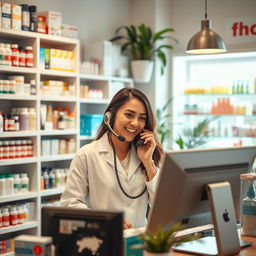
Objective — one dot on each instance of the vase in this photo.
(142, 70)
(146, 253)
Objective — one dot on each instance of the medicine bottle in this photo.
(22, 57)
(1, 122)
(6, 217)
(32, 119)
(15, 55)
(1, 150)
(248, 204)
(8, 54)
(29, 62)
(32, 87)
(9, 184)
(2, 185)
(2, 54)
(24, 122)
(32, 10)
(13, 216)
(20, 214)
(25, 17)
(24, 182)
(16, 183)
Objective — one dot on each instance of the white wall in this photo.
(186, 15)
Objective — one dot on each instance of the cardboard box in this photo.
(89, 124)
(131, 238)
(69, 31)
(53, 22)
(32, 245)
(6, 15)
(16, 17)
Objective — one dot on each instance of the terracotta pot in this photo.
(142, 70)
(146, 253)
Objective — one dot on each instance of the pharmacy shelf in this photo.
(25, 160)
(57, 157)
(8, 254)
(17, 97)
(218, 95)
(10, 69)
(94, 101)
(18, 134)
(27, 225)
(51, 192)
(49, 72)
(17, 197)
(57, 132)
(58, 39)
(8, 33)
(106, 78)
(62, 99)
(226, 115)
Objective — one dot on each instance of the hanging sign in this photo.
(241, 30)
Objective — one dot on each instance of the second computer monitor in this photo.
(181, 187)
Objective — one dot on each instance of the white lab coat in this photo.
(92, 182)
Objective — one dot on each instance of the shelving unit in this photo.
(33, 165)
(220, 86)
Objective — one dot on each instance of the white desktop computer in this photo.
(204, 183)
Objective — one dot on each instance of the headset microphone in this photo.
(107, 117)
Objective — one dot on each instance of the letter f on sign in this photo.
(235, 28)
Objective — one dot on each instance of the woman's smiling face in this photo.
(130, 119)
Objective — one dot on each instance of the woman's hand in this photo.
(145, 152)
(126, 224)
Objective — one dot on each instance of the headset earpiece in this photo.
(107, 118)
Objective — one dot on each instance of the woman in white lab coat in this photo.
(112, 172)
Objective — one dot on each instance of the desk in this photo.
(248, 251)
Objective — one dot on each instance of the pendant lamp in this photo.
(206, 41)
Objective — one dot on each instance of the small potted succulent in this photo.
(161, 242)
(143, 45)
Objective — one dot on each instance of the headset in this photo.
(137, 140)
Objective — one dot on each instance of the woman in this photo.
(112, 172)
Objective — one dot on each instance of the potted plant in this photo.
(143, 46)
(161, 242)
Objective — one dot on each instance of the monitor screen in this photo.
(83, 232)
(184, 174)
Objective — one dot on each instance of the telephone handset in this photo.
(138, 141)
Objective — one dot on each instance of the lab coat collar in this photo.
(105, 147)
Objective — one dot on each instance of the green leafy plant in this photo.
(163, 126)
(196, 136)
(142, 44)
(163, 240)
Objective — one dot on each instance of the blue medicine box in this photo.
(89, 124)
(131, 237)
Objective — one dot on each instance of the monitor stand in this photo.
(226, 240)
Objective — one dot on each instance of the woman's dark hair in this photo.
(120, 98)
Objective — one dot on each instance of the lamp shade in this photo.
(206, 41)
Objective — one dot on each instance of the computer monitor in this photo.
(184, 174)
(80, 232)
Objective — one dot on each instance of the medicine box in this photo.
(32, 245)
(16, 17)
(53, 22)
(69, 31)
(131, 237)
(46, 147)
(6, 15)
(89, 124)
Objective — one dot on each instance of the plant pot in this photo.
(142, 70)
(146, 253)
